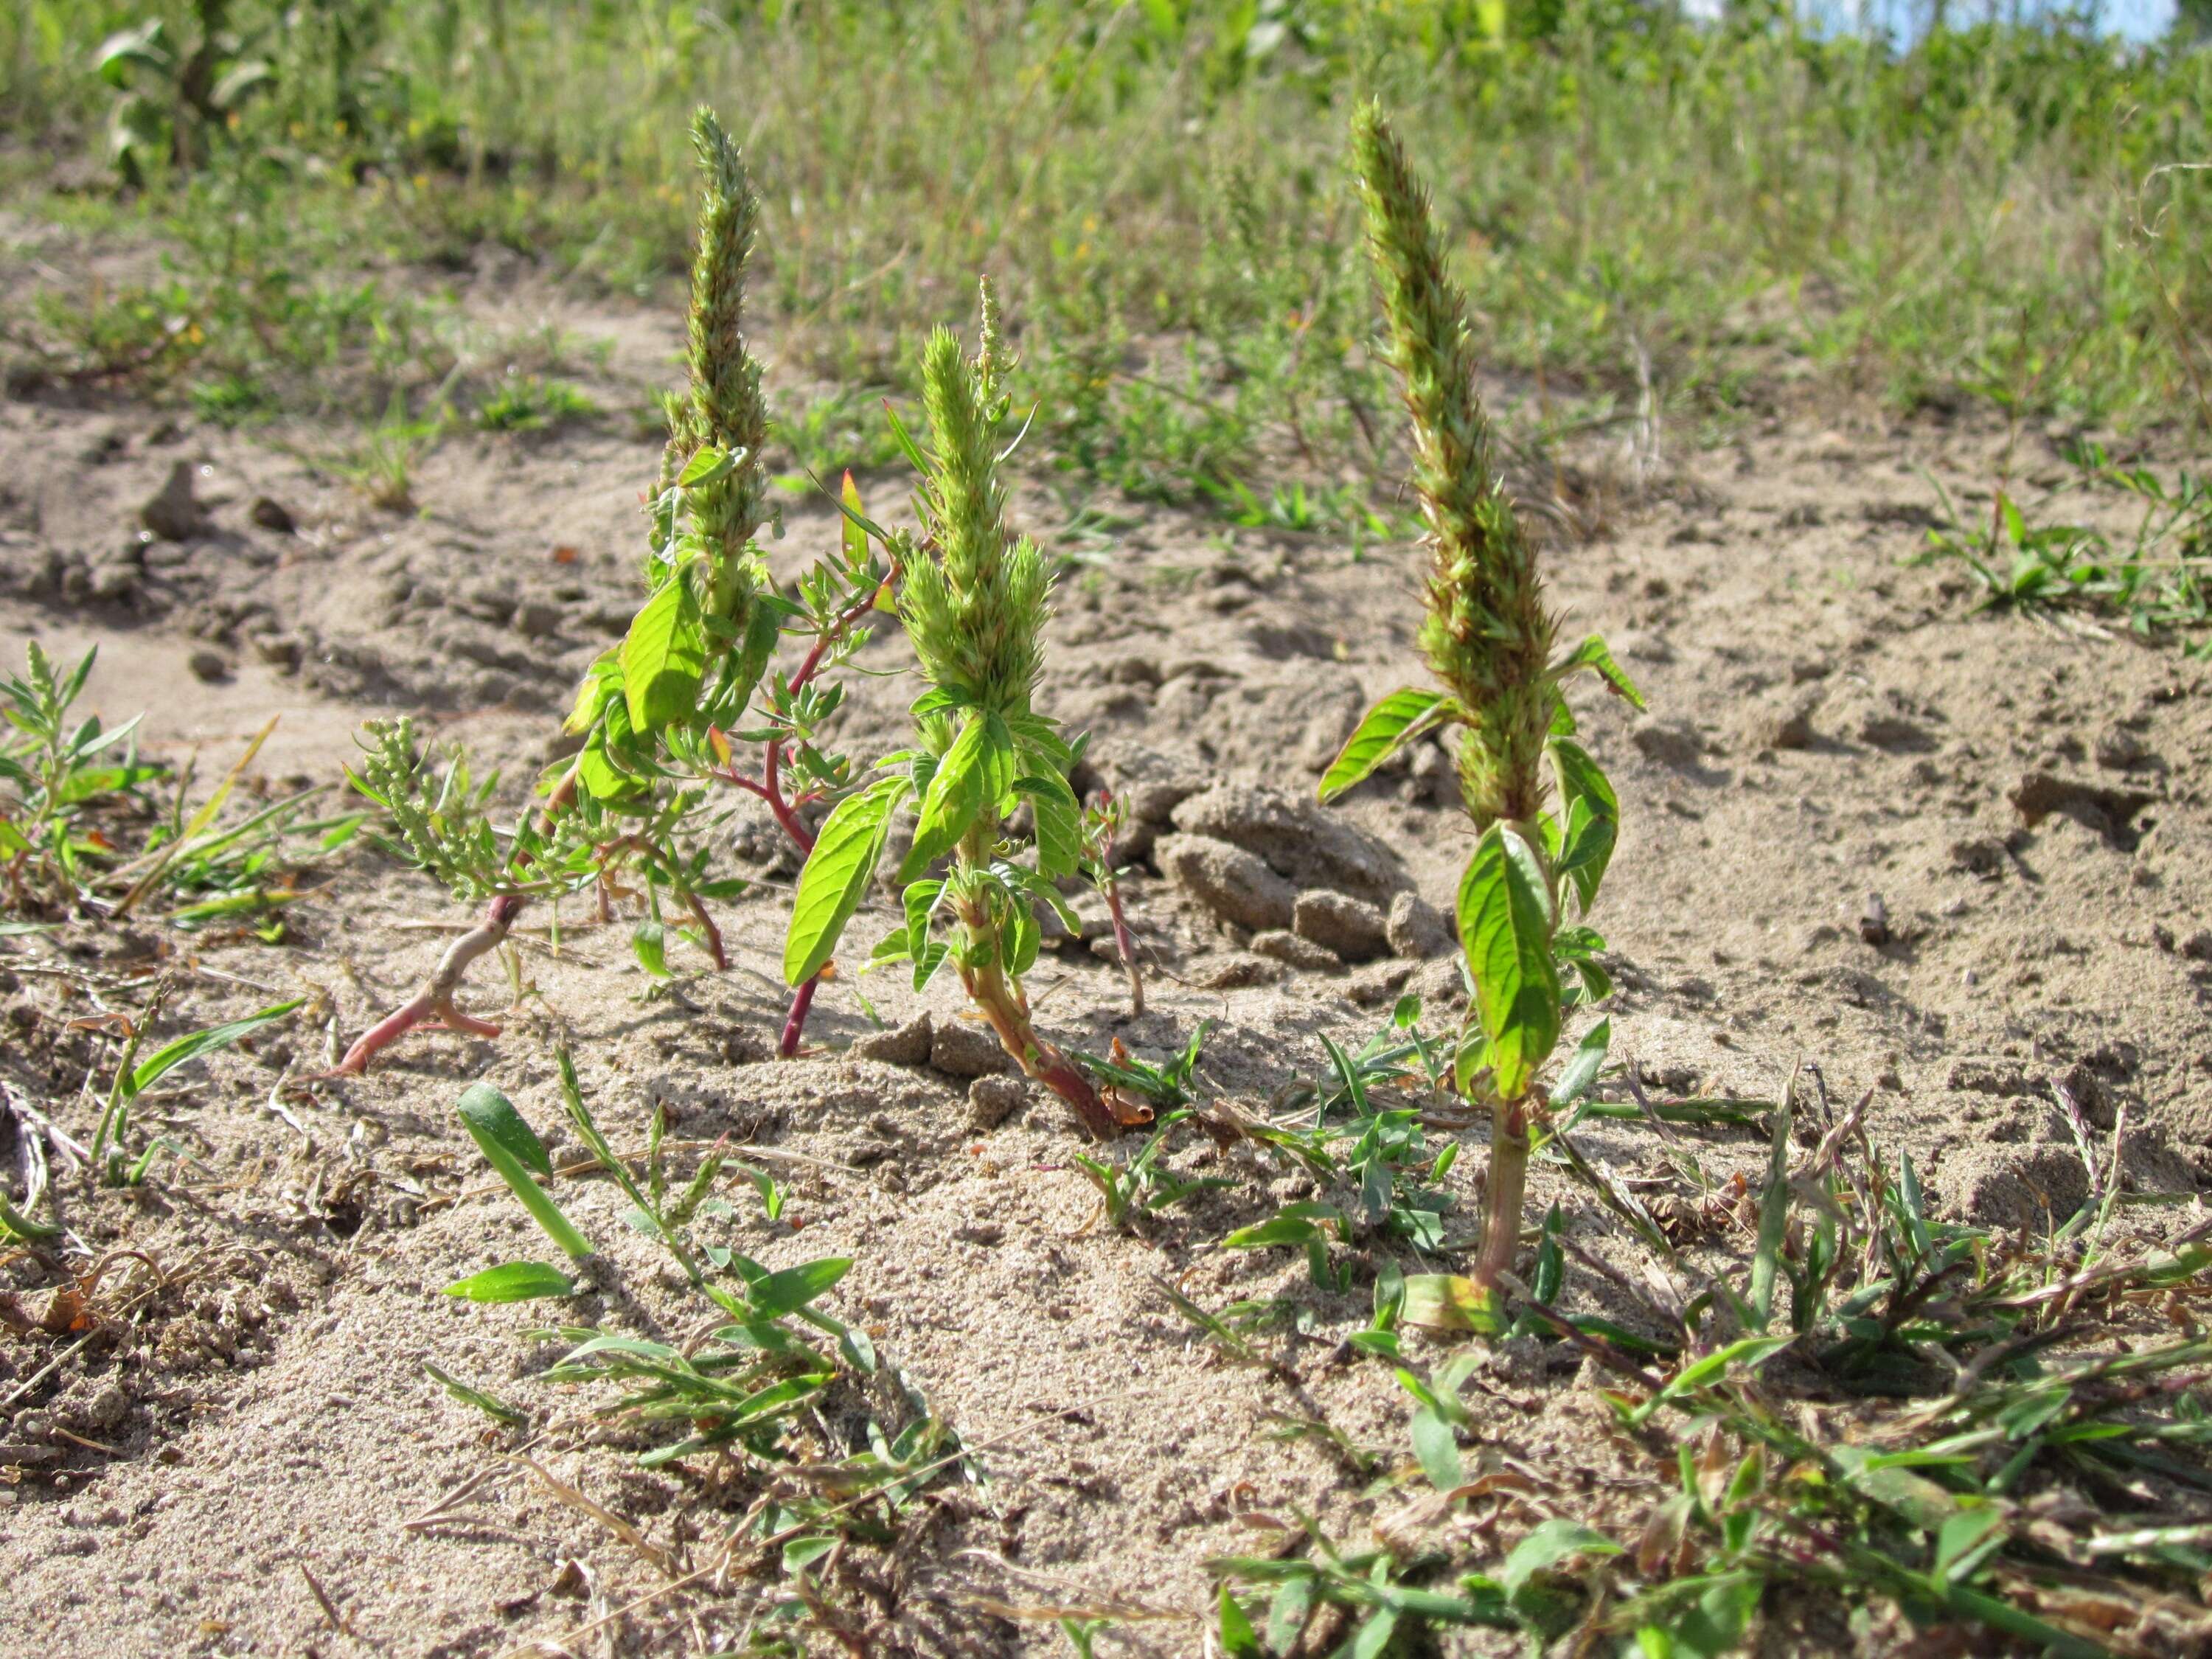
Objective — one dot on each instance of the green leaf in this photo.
(1750, 1352)
(512, 1281)
(247, 76)
(200, 1042)
(664, 657)
(1058, 838)
(794, 1287)
(1238, 1639)
(837, 875)
(648, 942)
(1592, 654)
(1296, 1225)
(490, 1405)
(1438, 1448)
(763, 627)
(1773, 1220)
(1375, 1635)
(512, 1147)
(1386, 728)
(1593, 816)
(1542, 1550)
(1505, 923)
(955, 797)
(1288, 1614)
(1582, 1071)
(709, 464)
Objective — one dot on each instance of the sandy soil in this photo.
(1827, 726)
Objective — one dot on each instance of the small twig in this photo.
(322, 1599)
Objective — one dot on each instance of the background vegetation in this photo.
(1654, 215)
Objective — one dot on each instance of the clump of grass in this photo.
(1488, 638)
(381, 462)
(74, 796)
(532, 403)
(749, 1396)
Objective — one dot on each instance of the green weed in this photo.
(532, 403)
(58, 772)
(2155, 581)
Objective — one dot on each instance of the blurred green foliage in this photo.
(1710, 215)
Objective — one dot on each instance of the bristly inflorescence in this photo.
(1487, 634)
(723, 406)
(977, 605)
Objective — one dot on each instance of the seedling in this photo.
(974, 599)
(1375, 1168)
(134, 1077)
(1488, 641)
(1102, 818)
(52, 776)
(659, 716)
(1142, 1186)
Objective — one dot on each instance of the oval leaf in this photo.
(1505, 923)
(835, 877)
(664, 657)
(1592, 812)
(512, 1281)
(955, 797)
(794, 1287)
(1387, 727)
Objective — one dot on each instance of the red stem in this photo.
(794, 1024)
(1123, 943)
(433, 1004)
(707, 927)
(769, 787)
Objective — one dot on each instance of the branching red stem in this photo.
(434, 1003)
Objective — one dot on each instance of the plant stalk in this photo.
(1007, 1010)
(1504, 1191)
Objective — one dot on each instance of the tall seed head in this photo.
(1487, 634)
(977, 605)
(723, 406)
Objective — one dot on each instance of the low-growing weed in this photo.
(57, 771)
(835, 433)
(1875, 1408)
(532, 403)
(2155, 581)
(134, 1077)
(381, 462)
(751, 1389)
(67, 797)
